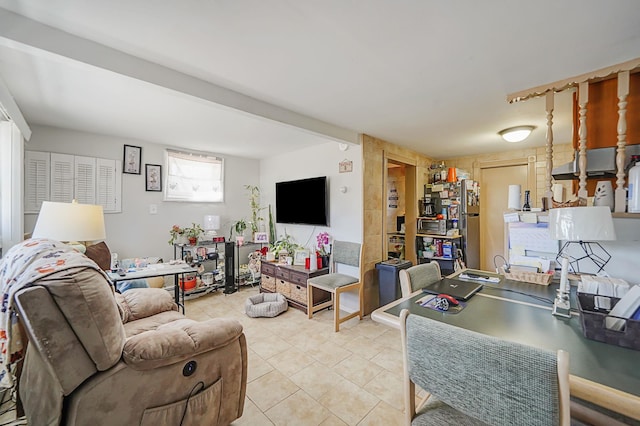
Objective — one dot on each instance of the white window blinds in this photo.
(64, 177)
(194, 177)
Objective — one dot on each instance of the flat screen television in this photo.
(303, 201)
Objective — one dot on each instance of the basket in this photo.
(594, 327)
(528, 277)
(189, 283)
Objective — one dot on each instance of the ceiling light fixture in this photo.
(516, 134)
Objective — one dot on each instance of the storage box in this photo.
(593, 324)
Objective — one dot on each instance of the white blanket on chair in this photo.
(23, 265)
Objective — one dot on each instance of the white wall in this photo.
(345, 209)
(624, 251)
(135, 232)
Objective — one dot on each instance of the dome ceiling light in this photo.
(516, 134)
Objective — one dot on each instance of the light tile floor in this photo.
(303, 373)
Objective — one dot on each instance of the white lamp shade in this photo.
(211, 222)
(70, 222)
(581, 224)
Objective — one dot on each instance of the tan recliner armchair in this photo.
(99, 358)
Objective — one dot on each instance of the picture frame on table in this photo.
(260, 237)
(132, 160)
(153, 177)
(300, 257)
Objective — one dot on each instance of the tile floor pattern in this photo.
(302, 373)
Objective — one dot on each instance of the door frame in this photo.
(411, 182)
(530, 162)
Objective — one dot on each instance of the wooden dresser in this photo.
(291, 281)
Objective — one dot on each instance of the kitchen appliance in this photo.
(470, 222)
(459, 204)
(432, 226)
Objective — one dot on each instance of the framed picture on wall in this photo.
(132, 159)
(153, 177)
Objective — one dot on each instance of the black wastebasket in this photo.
(388, 279)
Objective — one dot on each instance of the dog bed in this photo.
(265, 305)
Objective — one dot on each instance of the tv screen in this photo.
(303, 201)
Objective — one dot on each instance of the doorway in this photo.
(401, 205)
(495, 178)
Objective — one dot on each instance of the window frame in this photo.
(198, 158)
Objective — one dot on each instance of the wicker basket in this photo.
(580, 202)
(529, 277)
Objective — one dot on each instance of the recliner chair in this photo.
(96, 357)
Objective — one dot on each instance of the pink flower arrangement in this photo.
(323, 240)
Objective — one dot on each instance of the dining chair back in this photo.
(419, 276)
(336, 283)
(472, 378)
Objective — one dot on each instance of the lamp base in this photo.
(561, 305)
(591, 250)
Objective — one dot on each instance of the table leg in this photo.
(177, 290)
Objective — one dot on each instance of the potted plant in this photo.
(323, 240)
(284, 246)
(239, 226)
(193, 233)
(254, 198)
(176, 234)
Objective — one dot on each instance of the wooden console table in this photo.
(291, 281)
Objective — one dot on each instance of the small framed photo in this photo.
(153, 177)
(260, 237)
(132, 159)
(300, 256)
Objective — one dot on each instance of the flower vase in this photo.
(325, 261)
(193, 241)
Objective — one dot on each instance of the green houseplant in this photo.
(193, 232)
(285, 243)
(254, 204)
(239, 226)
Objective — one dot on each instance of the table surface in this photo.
(515, 311)
(155, 270)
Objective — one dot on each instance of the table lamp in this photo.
(582, 227)
(211, 225)
(73, 223)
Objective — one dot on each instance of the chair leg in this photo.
(336, 311)
(309, 301)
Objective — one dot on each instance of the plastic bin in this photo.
(389, 280)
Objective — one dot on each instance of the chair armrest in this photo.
(179, 340)
(139, 303)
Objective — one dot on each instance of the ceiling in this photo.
(257, 77)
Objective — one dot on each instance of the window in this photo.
(194, 177)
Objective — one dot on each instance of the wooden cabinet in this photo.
(291, 282)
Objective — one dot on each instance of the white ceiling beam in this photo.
(19, 32)
(8, 104)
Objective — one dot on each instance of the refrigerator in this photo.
(469, 222)
(459, 205)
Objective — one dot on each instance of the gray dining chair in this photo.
(419, 276)
(471, 378)
(336, 283)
